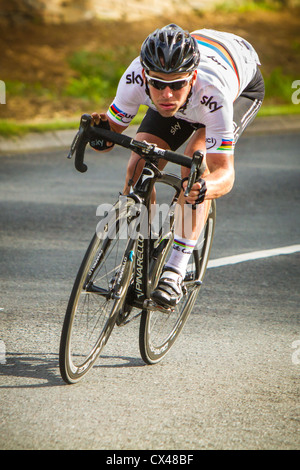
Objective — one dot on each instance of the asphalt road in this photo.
(232, 379)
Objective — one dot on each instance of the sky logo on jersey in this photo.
(226, 145)
(120, 115)
(213, 105)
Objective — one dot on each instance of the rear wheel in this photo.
(160, 329)
(98, 294)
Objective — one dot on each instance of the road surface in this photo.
(232, 379)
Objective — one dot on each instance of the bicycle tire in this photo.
(97, 296)
(159, 330)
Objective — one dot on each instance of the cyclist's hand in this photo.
(197, 193)
(101, 120)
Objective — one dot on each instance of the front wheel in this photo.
(159, 330)
(98, 294)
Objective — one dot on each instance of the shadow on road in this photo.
(43, 368)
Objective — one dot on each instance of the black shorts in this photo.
(177, 131)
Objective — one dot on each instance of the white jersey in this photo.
(228, 63)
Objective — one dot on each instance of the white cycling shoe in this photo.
(169, 289)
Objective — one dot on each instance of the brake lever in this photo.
(85, 123)
(197, 169)
(73, 145)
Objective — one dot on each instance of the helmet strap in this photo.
(147, 89)
(184, 106)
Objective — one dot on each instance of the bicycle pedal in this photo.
(152, 306)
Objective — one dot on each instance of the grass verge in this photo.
(9, 129)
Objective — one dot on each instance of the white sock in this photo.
(180, 255)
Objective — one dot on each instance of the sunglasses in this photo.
(173, 84)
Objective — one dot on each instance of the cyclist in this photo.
(202, 88)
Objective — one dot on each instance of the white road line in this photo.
(285, 250)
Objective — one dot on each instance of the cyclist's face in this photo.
(168, 100)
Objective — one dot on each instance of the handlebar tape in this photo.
(119, 139)
(174, 157)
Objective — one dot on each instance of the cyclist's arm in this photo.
(220, 180)
(219, 140)
(129, 96)
(116, 127)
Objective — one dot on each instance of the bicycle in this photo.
(123, 263)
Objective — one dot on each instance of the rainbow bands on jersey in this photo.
(119, 115)
(217, 47)
(227, 145)
(116, 112)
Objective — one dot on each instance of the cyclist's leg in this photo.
(191, 221)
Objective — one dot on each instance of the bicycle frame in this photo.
(141, 194)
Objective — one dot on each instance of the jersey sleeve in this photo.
(130, 95)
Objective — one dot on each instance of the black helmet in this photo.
(170, 50)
